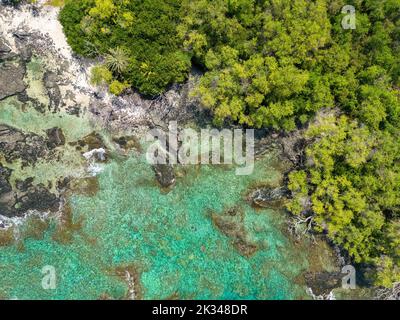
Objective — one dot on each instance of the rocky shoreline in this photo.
(126, 118)
(67, 89)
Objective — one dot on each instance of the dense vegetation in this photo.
(279, 63)
(137, 38)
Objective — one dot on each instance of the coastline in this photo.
(123, 116)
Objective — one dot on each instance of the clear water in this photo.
(168, 239)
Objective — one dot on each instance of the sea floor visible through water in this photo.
(167, 243)
(128, 238)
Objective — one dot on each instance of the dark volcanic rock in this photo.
(15, 144)
(5, 51)
(128, 142)
(323, 283)
(11, 79)
(63, 184)
(25, 197)
(24, 185)
(37, 198)
(21, 35)
(74, 110)
(23, 96)
(24, 48)
(5, 186)
(55, 138)
(53, 90)
(231, 224)
(165, 174)
(293, 146)
(50, 79)
(7, 198)
(27, 147)
(25, 53)
(93, 141)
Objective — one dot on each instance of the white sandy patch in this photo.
(47, 24)
(130, 113)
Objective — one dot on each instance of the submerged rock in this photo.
(130, 274)
(231, 224)
(53, 90)
(67, 226)
(15, 144)
(7, 198)
(55, 138)
(165, 175)
(27, 148)
(85, 186)
(25, 196)
(5, 51)
(322, 283)
(13, 71)
(37, 198)
(128, 143)
(6, 236)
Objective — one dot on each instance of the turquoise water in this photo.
(166, 241)
(169, 238)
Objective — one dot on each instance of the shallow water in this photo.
(166, 241)
(167, 237)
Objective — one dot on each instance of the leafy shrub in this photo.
(100, 75)
(117, 87)
(138, 39)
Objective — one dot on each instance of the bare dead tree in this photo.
(300, 226)
(389, 293)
